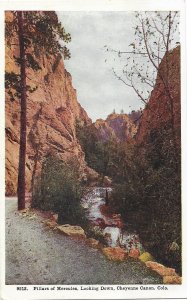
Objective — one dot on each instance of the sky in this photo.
(98, 91)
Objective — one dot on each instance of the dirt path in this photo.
(37, 255)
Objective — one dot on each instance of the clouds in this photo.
(99, 92)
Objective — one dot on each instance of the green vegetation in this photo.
(147, 186)
(98, 153)
(60, 190)
(149, 193)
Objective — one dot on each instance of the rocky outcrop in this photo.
(52, 113)
(163, 107)
(119, 126)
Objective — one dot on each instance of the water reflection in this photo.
(111, 225)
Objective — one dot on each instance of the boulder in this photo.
(115, 254)
(174, 247)
(93, 243)
(51, 223)
(116, 216)
(55, 217)
(24, 211)
(107, 181)
(73, 231)
(146, 256)
(172, 280)
(160, 269)
(135, 253)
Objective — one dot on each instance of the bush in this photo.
(149, 193)
(59, 189)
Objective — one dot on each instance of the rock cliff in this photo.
(119, 126)
(52, 113)
(162, 109)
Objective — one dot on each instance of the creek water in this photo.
(114, 230)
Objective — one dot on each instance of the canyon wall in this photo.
(52, 113)
(163, 110)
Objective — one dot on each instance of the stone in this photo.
(174, 247)
(172, 279)
(107, 181)
(101, 222)
(33, 217)
(146, 256)
(9, 16)
(51, 223)
(116, 216)
(115, 254)
(55, 217)
(93, 243)
(134, 253)
(73, 231)
(24, 211)
(160, 269)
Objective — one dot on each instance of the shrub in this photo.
(59, 189)
(149, 193)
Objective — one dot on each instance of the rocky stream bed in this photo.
(111, 226)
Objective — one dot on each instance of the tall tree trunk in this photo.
(23, 105)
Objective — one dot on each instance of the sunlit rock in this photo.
(174, 247)
(55, 217)
(115, 254)
(146, 256)
(160, 269)
(51, 223)
(172, 279)
(93, 243)
(135, 253)
(74, 231)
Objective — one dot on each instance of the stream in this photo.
(115, 232)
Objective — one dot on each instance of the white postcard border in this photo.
(173, 291)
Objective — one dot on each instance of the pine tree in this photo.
(37, 32)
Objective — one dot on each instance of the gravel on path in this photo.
(36, 254)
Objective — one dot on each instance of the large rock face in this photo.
(52, 112)
(160, 110)
(119, 126)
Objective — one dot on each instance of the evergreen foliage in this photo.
(42, 35)
(59, 189)
(149, 193)
(99, 154)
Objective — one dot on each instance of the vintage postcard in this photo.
(93, 146)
